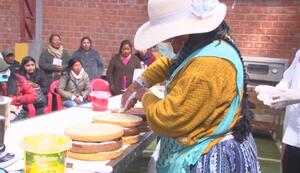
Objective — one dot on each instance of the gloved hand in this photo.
(265, 93)
(284, 98)
(131, 89)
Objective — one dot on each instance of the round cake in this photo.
(95, 141)
(120, 119)
(129, 123)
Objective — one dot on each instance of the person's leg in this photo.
(40, 110)
(281, 156)
(291, 159)
(22, 115)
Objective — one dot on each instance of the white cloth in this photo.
(291, 80)
(79, 76)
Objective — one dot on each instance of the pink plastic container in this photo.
(99, 100)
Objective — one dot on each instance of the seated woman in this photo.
(16, 87)
(38, 81)
(74, 86)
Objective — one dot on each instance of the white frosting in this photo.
(93, 143)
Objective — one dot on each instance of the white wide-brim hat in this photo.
(171, 18)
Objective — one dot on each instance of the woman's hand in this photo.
(59, 68)
(34, 85)
(77, 100)
(131, 89)
(141, 92)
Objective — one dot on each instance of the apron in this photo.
(177, 158)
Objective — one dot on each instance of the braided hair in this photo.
(197, 41)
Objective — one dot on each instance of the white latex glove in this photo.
(266, 93)
(284, 98)
(266, 89)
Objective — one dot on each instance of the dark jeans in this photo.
(21, 116)
(291, 159)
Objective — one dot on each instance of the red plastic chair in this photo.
(31, 110)
(52, 92)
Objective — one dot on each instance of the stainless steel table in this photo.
(131, 153)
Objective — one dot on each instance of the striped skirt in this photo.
(229, 156)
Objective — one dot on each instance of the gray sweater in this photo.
(91, 62)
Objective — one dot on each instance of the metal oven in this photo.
(264, 71)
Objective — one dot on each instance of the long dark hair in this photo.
(72, 62)
(52, 36)
(196, 41)
(12, 84)
(123, 43)
(87, 38)
(25, 60)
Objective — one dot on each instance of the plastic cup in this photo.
(5, 108)
(99, 100)
(45, 153)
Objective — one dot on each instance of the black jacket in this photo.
(46, 64)
(39, 78)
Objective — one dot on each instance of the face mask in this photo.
(166, 49)
(4, 76)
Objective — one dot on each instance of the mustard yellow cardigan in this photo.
(198, 99)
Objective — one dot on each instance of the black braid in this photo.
(196, 41)
(243, 127)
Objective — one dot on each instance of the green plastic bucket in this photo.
(45, 153)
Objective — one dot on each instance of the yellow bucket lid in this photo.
(46, 143)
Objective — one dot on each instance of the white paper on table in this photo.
(137, 72)
(57, 61)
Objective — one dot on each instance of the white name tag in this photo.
(57, 61)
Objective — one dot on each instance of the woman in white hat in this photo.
(204, 120)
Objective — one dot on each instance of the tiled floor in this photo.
(268, 152)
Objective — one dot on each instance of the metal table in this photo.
(131, 153)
